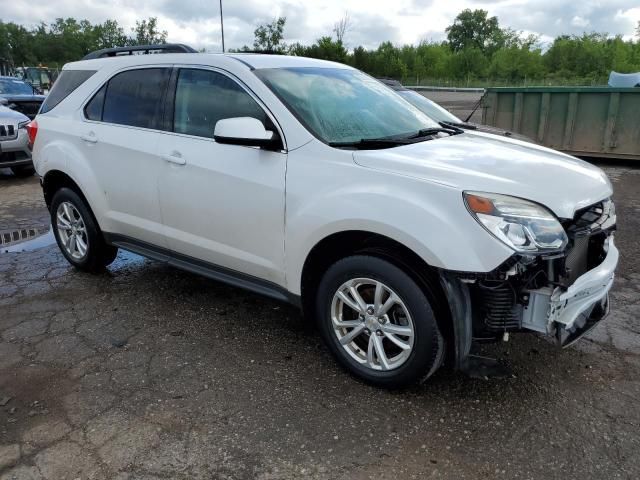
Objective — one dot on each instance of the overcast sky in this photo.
(197, 22)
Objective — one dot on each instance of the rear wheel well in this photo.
(54, 181)
(344, 244)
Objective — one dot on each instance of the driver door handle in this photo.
(174, 157)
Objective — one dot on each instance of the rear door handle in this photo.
(174, 157)
(90, 137)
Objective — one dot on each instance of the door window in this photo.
(203, 97)
(134, 97)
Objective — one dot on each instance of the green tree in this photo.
(475, 29)
(468, 63)
(146, 32)
(269, 37)
(109, 35)
(326, 48)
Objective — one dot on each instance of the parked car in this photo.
(20, 96)
(440, 114)
(14, 142)
(40, 77)
(312, 183)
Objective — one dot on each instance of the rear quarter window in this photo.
(134, 98)
(66, 83)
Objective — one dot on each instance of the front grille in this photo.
(8, 132)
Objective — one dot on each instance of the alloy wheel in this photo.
(372, 323)
(72, 231)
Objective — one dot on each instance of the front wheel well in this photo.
(344, 244)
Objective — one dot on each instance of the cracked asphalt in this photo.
(146, 372)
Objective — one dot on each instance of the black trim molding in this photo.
(193, 265)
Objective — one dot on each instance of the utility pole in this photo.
(222, 26)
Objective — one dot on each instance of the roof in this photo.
(251, 60)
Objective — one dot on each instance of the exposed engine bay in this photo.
(563, 294)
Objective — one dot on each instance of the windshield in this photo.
(14, 87)
(342, 105)
(428, 107)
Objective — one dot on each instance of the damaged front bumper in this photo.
(569, 313)
(562, 295)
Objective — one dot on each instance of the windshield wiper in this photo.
(372, 143)
(464, 125)
(444, 128)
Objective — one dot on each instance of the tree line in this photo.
(477, 51)
(68, 40)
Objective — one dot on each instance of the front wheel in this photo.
(78, 234)
(378, 322)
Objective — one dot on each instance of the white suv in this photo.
(312, 183)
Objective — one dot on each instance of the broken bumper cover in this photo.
(570, 313)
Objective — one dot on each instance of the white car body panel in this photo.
(225, 205)
(260, 213)
(488, 163)
(429, 218)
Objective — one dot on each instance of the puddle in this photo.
(26, 239)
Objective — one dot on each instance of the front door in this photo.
(222, 204)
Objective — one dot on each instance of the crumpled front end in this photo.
(563, 295)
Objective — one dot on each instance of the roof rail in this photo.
(140, 49)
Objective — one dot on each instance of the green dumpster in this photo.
(586, 121)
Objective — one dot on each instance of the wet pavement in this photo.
(146, 372)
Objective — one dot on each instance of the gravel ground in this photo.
(146, 372)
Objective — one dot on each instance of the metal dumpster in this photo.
(586, 121)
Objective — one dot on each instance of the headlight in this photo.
(23, 124)
(524, 226)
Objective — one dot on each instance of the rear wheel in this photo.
(78, 234)
(378, 322)
(23, 171)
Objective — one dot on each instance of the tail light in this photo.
(32, 131)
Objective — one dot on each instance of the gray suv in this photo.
(14, 142)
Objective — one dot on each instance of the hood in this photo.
(501, 131)
(6, 115)
(23, 98)
(487, 163)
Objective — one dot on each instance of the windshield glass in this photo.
(428, 107)
(340, 105)
(14, 87)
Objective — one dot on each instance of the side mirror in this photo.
(243, 131)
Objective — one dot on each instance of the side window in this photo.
(135, 98)
(93, 110)
(203, 97)
(66, 83)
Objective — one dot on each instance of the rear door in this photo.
(221, 204)
(120, 140)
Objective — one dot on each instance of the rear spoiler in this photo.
(140, 49)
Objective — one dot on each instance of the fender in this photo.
(62, 156)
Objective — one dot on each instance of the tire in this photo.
(23, 171)
(96, 254)
(422, 351)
